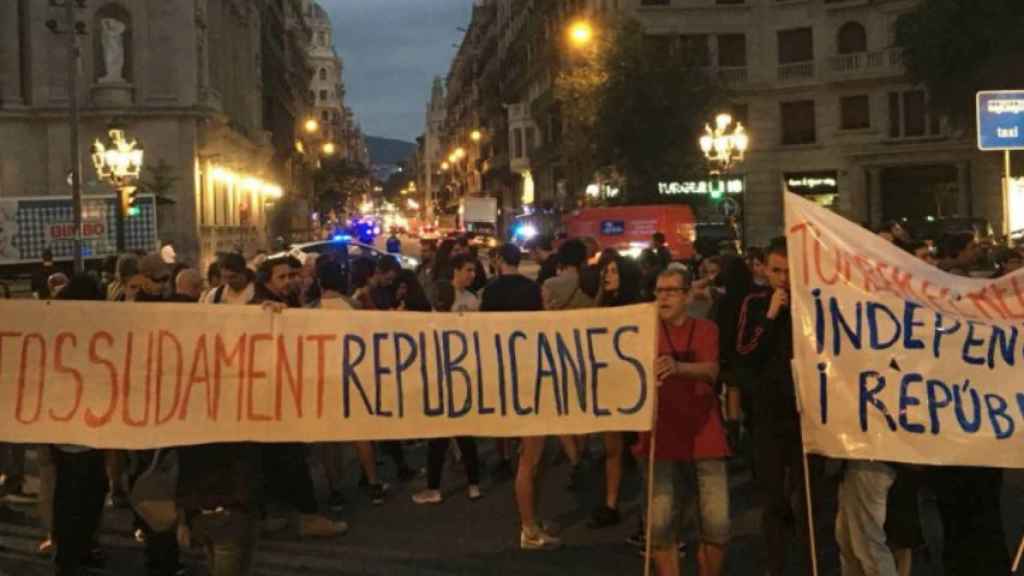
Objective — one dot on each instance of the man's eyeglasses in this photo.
(673, 291)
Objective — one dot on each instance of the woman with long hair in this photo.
(619, 286)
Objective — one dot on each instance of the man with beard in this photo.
(286, 472)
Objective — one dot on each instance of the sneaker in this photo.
(474, 492)
(638, 540)
(316, 526)
(427, 496)
(376, 492)
(538, 539)
(604, 517)
(335, 502)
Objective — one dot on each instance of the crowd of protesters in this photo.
(726, 392)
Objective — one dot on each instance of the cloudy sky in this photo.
(392, 49)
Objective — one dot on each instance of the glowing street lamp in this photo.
(581, 33)
(460, 153)
(328, 148)
(119, 164)
(475, 135)
(724, 148)
(445, 166)
(311, 125)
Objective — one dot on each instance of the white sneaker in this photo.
(427, 496)
(538, 539)
(474, 492)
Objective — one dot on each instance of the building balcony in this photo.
(878, 63)
(796, 72)
(733, 74)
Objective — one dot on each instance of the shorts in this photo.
(685, 489)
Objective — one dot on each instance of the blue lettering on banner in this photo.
(907, 401)
(499, 350)
(870, 396)
(640, 372)
(402, 364)
(934, 405)
(428, 409)
(379, 370)
(909, 342)
(970, 342)
(546, 369)
(940, 331)
(578, 370)
(823, 391)
(960, 395)
(595, 368)
(453, 366)
(349, 377)
(514, 363)
(873, 308)
(482, 408)
(1002, 424)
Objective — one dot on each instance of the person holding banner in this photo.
(690, 474)
(286, 472)
(765, 345)
(459, 299)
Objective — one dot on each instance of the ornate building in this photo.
(213, 89)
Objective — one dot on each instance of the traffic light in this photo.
(129, 200)
(717, 189)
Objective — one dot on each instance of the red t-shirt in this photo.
(689, 413)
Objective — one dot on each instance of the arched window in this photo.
(323, 73)
(852, 38)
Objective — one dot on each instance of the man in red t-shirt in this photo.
(690, 445)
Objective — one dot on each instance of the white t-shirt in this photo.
(465, 301)
(230, 296)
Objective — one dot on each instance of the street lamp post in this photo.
(119, 164)
(724, 148)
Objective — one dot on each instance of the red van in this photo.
(629, 228)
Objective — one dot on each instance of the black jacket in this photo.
(511, 293)
(765, 346)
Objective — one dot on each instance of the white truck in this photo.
(479, 214)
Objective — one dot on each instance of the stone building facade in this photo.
(213, 89)
(819, 85)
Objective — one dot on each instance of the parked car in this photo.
(344, 250)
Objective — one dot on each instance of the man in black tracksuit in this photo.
(765, 346)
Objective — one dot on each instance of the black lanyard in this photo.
(689, 340)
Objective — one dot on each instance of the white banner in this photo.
(896, 359)
(137, 376)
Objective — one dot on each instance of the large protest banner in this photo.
(895, 359)
(135, 375)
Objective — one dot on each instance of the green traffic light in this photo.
(134, 211)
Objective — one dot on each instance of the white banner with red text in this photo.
(115, 375)
(896, 359)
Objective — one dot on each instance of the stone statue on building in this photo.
(112, 42)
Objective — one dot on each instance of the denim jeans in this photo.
(860, 524)
(700, 488)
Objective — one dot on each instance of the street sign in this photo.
(1001, 120)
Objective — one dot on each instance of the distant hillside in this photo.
(388, 150)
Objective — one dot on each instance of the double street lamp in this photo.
(119, 163)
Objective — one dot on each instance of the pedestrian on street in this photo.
(690, 472)
(127, 266)
(80, 488)
(238, 287)
(619, 286)
(462, 300)
(394, 245)
(285, 467)
(565, 292)
(41, 275)
(188, 286)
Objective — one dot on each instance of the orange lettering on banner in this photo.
(251, 413)
(167, 336)
(1000, 293)
(801, 228)
(222, 357)
(981, 301)
(841, 266)
(321, 361)
(2, 336)
(294, 380)
(903, 280)
(60, 368)
(126, 392)
(91, 419)
(200, 360)
(33, 337)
